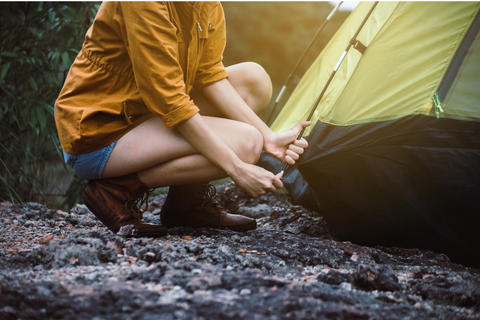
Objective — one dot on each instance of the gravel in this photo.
(66, 265)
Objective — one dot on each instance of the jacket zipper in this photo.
(198, 38)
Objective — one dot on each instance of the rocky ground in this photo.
(66, 265)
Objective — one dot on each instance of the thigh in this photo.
(151, 144)
(252, 84)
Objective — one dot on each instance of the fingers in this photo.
(289, 160)
(305, 123)
(302, 143)
(257, 181)
(300, 125)
(294, 148)
(294, 151)
(272, 189)
(292, 155)
(277, 183)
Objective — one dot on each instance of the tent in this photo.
(394, 148)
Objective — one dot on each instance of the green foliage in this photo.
(39, 41)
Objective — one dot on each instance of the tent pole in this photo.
(292, 74)
(352, 41)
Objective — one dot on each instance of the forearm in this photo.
(283, 146)
(228, 101)
(209, 144)
(254, 180)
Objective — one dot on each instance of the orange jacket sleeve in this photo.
(151, 42)
(210, 67)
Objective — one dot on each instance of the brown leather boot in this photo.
(194, 205)
(117, 201)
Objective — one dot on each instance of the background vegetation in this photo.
(275, 34)
(40, 40)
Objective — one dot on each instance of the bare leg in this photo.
(251, 82)
(162, 157)
(157, 153)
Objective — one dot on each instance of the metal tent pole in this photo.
(360, 47)
(291, 77)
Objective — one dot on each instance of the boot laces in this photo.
(209, 199)
(134, 206)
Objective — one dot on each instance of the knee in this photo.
(252, 145)
(257, 85)
(260, 85)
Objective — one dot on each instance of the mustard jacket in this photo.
(139, 59)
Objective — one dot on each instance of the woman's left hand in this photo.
(284, 145)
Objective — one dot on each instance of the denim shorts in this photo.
(89, 166)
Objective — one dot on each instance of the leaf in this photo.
(4, 71)
(5, 106)
(32, 121)
(66, 60)
(93, 13)
(55, 56)
(11, 190)
(8, 54)
(33, 84)
(51, 15)
(56, 24)
(42, 118)
(47, 107)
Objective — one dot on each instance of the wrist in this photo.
(233, 168)
(267, 137)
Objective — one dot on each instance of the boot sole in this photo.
(237, 228)
(244, 227)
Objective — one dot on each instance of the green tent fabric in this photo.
(387, 165)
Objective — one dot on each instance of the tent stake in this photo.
(353, 41)
(292, 74)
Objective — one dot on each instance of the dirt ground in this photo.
(66, 265)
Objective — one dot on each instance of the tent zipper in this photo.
(437, 104)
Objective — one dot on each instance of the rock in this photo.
(80, 209)
(245, 292)
(290, 267)
(45, 240)
(376, 278)
(88, 220)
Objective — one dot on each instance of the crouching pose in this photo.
(148, 103)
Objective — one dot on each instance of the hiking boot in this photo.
(117, 202)
(194, 205)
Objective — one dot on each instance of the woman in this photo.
(148, 103)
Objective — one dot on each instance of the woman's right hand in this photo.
(255, 180)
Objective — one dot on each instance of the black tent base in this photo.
(410, 182)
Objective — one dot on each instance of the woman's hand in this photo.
(284, 145)
(255, 180)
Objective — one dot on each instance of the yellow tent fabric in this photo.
(409, 48)
(462, 99)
